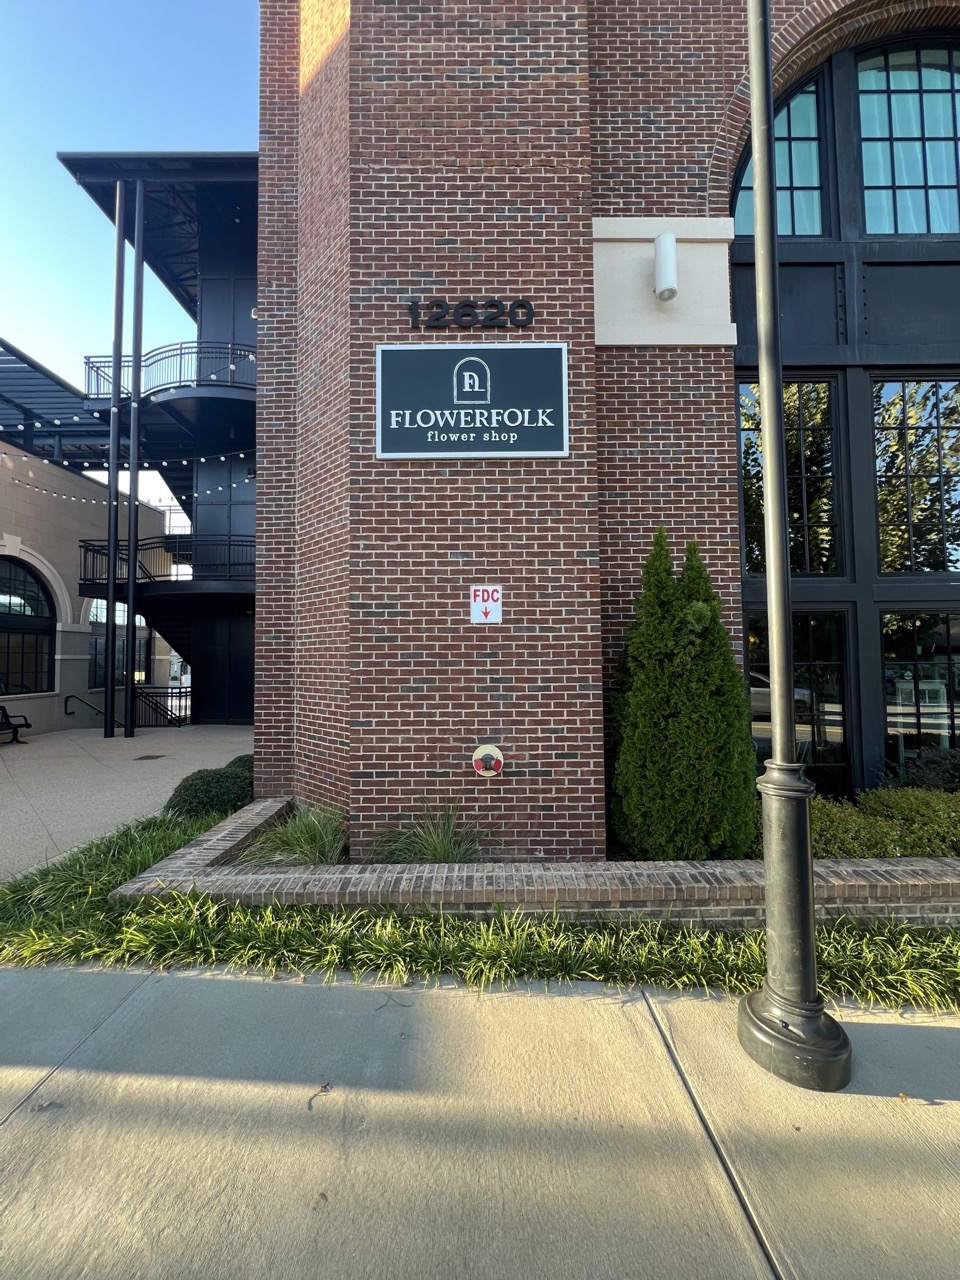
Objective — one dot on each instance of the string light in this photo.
(142, 466)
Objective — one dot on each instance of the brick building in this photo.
(467, 177)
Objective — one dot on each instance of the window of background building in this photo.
(28, 627)
(96, 677)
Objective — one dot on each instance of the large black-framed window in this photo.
(872, 308)
(874, 136)
(28, 630)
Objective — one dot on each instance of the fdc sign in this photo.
(486, 603)
(472, 400)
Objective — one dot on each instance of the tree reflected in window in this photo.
(810, 448)
(917, 437)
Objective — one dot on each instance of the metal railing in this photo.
(182, 364)
(156, 706)
(75, 697)
(177, 557)
(159, 705)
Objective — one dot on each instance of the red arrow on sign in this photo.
(485, 612)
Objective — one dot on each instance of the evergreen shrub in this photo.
(211, 791)
(685, 774)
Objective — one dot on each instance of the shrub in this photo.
(430, 837)
(208, 791)
(243, 763)
(684, 779)
(935, 768)
(928, 821)
(838, 829)
(310, 836)
(887, 824)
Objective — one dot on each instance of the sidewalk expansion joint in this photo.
(79, 1045)
(736, 1186)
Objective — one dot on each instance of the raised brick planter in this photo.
(923, 891)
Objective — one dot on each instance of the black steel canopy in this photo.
(41, 412)
(176, 185)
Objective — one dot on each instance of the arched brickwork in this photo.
(800, 44)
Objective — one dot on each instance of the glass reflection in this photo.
(809, 439)
(819, 695)
(921, 681)
(918, 474)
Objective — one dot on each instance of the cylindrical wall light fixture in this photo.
(665, 266)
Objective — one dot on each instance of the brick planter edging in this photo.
(920, 891)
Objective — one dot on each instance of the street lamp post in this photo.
(784, 1026)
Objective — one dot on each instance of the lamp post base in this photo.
(801, 1044)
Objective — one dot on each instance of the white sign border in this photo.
(473, 348)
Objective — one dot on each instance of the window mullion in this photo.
(845, 122)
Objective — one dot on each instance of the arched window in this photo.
(28, 626)
(902, 161)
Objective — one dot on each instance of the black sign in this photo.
(472, 400)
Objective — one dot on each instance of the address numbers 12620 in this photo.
(493, 313)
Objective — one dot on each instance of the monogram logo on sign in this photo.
(471, 382)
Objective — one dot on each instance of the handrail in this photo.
(147, 701)
(159, 705)
(176, 557)
(77, 698)
(181, 364)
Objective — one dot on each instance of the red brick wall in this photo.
(323, 502)
(667, 455)
(276, 623)
(472, 175)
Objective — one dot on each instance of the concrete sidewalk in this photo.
(58, 790)
(208, 1126)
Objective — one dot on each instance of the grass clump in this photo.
(309, 837)
(211, 791)
(888, 823)
(432, 836)
(63, 914)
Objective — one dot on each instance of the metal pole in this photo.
(784, 1026)
(113, 478)
(133, 511)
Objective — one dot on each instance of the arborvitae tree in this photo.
(685, 774)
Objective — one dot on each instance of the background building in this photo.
(49, 667)
(193, 587)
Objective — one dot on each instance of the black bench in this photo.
(13, 724)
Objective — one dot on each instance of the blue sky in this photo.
(104, 75)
